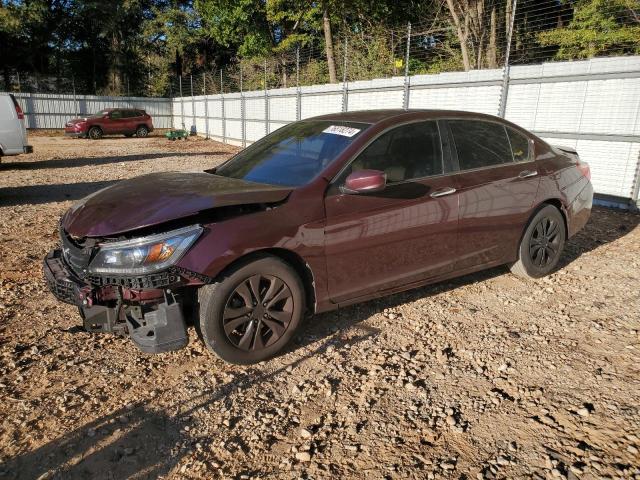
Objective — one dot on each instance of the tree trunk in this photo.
(463, 35)
(492, 55)
(328, 40)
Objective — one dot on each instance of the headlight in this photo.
(146, 254)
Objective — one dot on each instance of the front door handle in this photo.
(527, 174)
(443, 191)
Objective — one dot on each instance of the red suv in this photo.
(112, 121)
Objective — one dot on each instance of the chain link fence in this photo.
(461, 36)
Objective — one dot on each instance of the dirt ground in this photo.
(487, 376)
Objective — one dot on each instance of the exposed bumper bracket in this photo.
(161, 330)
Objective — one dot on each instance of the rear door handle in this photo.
(443, 191)
(527, 174)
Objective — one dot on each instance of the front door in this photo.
(116, 123)
(497, 186)
(398, 236)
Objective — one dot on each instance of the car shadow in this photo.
(138, 441)
(97, 161)
(38, 194)
(606, 225)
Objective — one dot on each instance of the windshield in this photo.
(294, 154)
(101, 113)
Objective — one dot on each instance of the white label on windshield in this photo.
(340, 130)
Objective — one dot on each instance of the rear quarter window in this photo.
(519, 146)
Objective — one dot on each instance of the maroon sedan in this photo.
(112, 121)
(322, 213)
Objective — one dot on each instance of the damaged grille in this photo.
(76, 256)
(153, 280)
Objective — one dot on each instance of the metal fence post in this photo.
(171, 104)
(405, 97)
(206, 104)
(298, 92)
(181, 103)
(502, 108)
(75, 103)
(243, 122)
(194, 128)
(266, 101)
(345, 89)
(224, 117)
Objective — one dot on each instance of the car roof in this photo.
(375, 116)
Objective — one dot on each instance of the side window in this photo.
(519, 145)
(480, 144)
(404, 153)
(116, 115)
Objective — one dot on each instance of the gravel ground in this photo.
(487, 376)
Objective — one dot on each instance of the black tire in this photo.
(142, 131)
(94, 133)
(541, 245)
(242, 329)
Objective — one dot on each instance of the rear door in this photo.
(497, 185)
(12, 130)
(401, 235)
(133, 120)
(117, 123)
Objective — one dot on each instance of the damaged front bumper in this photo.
(155, 325)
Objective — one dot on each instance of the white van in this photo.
(13, 134)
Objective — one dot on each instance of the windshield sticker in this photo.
(340, 130)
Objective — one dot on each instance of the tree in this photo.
(478, 31)
(597, 27)
(328, 41)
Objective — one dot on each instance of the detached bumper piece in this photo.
(160, 330)
(157, 331)
(62, 283)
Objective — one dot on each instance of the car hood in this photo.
(161, 197)
(73, 121)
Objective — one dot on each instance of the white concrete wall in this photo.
(53, 111)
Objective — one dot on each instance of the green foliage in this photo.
(598, 26)
(141, 46)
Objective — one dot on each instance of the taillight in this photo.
(19, 112)
(584, 169)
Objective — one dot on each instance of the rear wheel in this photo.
(541, 245)
(95, 133)
(252, 312)
(142, 131)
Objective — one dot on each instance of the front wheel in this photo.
(541, 245)
(252, 312)
(142, 131)
(95, 133)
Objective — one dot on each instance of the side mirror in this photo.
(364, 181)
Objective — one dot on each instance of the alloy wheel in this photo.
(544, 244)
(258, 312)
